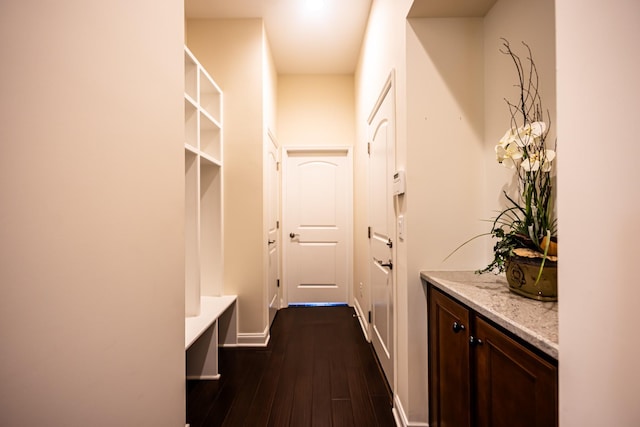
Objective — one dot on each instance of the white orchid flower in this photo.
(508, 154)
(532, 163)
(529, 133)
(538, 128)
(509, 137)
(507, 151)
(548, 158)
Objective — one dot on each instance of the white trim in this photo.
(401, 417)
(363, 319)
(317, 149)
(274, 302)
(397, 418)
(385, 89)
(260, 339)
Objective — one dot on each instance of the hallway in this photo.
(317, 370)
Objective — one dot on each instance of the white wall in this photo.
(316, 110)
(92, 218)
(450, 115)
(383, 52)
(444, 168)
(232, 52)
(457, 80)
(269, 87)
(504, 20)
(446, 126)
(599, 207)
(597, 92)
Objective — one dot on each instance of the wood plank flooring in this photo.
(317, 370)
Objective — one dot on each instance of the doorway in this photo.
(317, 225)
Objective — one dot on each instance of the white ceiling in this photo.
(306, 36)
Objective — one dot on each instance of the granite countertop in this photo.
(534, 321)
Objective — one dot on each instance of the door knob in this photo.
(271, 242)
(293, 235)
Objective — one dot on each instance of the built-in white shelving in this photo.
(210, 316)
(203, 185)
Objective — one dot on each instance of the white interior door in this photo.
(317, 225)
(273, 221)
(381, 126)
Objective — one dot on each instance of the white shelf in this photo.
(210, 96)
(206, 159)
(210, 137)
(217, 324)
(203, 186)
(191, 149)
(188, 98)
(190, 123)
(211, 229)
(210, 316)
(206, 116)
(192, 233)
(211, 309)
(190, 75)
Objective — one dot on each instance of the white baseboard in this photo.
(397, 418)
(260, 339)
(363, 319)
(401, 417)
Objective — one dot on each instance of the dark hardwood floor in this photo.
(317, 370)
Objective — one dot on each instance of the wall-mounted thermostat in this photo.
(398, 183)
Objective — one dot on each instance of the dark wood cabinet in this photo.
(482, 376)
(449, 362)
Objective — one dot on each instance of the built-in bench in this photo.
(216, 325)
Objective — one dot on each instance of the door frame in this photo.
(326, 150)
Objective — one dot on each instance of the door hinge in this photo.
(369, 232)
(277, 224)
(369, 316)
(278, 283)
(368, 148)
(277, 166)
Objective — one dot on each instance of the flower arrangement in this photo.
(527, 225)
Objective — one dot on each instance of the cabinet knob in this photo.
(475, 341)
(457, 327)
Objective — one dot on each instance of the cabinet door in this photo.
(449, 370)
(515, 387)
